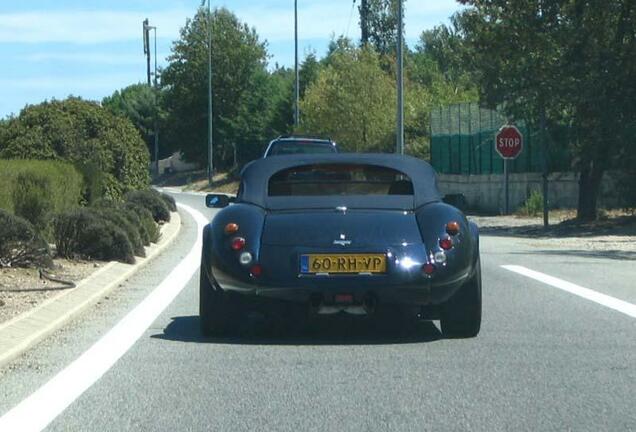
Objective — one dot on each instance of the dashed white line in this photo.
(622, 306)
(39, 409)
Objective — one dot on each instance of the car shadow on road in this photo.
(332, 331)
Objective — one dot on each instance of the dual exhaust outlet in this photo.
(319, 307)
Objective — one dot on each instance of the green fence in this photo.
(463, 142)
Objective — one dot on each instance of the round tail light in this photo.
(231, 228)
(256, 270)
(245, 258)
(446, 243)
(238, 243)
(428, 269)
(452, 228)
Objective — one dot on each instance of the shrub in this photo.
(31, 199)
(80, 132)
(152, 201)
(59, 183)
(117, 216)
(148, 229)
(533, 205)
(20, 244)
(84, 233)
(169, 201)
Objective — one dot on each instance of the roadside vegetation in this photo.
(554, 67)
(106, 149)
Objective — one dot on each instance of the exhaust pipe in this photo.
(369, 304)
(368, 307)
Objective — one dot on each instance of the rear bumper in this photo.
(422, 293)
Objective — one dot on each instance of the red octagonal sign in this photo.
(509, 142)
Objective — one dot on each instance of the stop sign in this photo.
(509, 142)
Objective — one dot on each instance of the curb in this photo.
(27, 329)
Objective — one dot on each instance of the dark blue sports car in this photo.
(349, 233)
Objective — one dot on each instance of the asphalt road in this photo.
(545, 359)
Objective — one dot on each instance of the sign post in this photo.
(509, 145)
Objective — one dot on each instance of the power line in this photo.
(350, 17)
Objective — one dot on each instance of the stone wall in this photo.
(486, 192)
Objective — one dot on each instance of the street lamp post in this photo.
(210, 167)
(297, 85)
(400, 80)
(156, 109)
(147, 27)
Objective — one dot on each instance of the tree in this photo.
(140, 104)
(239, 62)
(445, 46)
(560, 62)
(107, 148)
(353, 101)
(309, 70)
(378, 22)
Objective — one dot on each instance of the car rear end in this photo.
(342, 238)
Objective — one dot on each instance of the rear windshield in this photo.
(337, 179)
(300, 147)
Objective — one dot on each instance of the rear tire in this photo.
(215, 311)
(461, 314)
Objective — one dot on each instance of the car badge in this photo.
(342, 241)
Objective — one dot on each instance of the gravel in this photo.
(23, 289)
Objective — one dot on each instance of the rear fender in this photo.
(432, 220)
(218, 254)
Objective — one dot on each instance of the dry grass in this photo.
(221, 182)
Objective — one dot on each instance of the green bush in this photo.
(31, 199)
(59, 183)
(83, 133)
(138, 216)
(169, 201)
(147, 227)
(84, 233)
(20, 244)
(533, 205)
(118, 217)
(95, 181)
(152, 201)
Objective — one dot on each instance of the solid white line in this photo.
(39, 409)
(627, 308)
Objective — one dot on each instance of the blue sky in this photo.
(89, 48)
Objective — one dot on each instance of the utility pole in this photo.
(156, 110)
(146, 29)
(297, 85)
(210, 129)
(146, 32)
(400, 80)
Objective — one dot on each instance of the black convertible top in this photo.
(255, 178)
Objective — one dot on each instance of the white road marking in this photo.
(39, 409)
(622, 306)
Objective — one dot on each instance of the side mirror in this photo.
(217, 200)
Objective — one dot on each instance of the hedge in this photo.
(86, 233)
(35, 189)
(147, 227)
(151, 200)
(83, 133)
(20, 244)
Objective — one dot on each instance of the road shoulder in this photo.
(24, 331)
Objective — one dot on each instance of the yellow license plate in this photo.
(343, 263)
